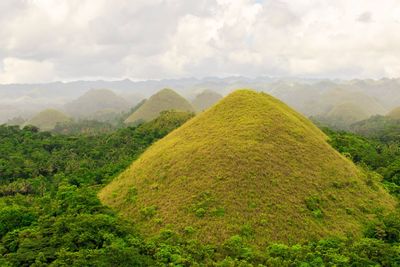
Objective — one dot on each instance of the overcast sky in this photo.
(48, 40)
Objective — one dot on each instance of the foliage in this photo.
(383, 128)
(49, 211)
(50, 214)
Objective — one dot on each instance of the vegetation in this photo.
(383, 128)
(50, 214)
(47, 119)
(249, 160)
(205, 100)
(377, 156)
(165, 99)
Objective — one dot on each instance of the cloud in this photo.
(15, 70)
(144, 39)
(365, 17)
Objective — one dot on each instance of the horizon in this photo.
(276, 78)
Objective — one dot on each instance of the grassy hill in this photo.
(165, 99)
(394, 114)
(47, 119)
(205, 100)
(252, 166)
(94, 101)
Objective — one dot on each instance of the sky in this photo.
(52, 40)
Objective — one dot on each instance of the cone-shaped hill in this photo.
(164, 100)
(205, 100)
(394, 114)
(249, 165)
(47, 119)
(96, 100)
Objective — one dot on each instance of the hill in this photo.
(165, 99)
(205, 100)
(96, 100)
(394, 114)
(47, 119)
(252, 166)
(343, 115)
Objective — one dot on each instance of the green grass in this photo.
(47, 119)
(165, 99)
(249, 166)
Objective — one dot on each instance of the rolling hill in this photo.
(205, 100)
(96, 100)
(250, 165)
(47, 119)
(165, 99)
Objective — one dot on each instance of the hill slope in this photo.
(249, 165)
(47, 119)
(205, 100)
(343, 115)
(394, 114)
(165, 99)
(96, 100)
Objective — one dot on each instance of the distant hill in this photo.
(385, 128)
(165, 99)
(250, 165)
(96, 101)
(47, 119)
(343, 115)
(205, 100)
(394, 114)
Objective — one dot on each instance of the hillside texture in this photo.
(165, 99)
(48, 119)
(250, 165)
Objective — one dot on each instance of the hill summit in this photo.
(47, 119)
(164, 100)
(252, 166)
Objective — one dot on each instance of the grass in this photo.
(260, 164)
(47, 119)
(165, 99)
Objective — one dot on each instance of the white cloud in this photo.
(73, 39)
(24, 71)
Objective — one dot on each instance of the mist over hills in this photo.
(96, 101)
(309, 96)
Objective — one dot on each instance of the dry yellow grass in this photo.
(248, 164)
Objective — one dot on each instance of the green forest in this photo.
(50, 214)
